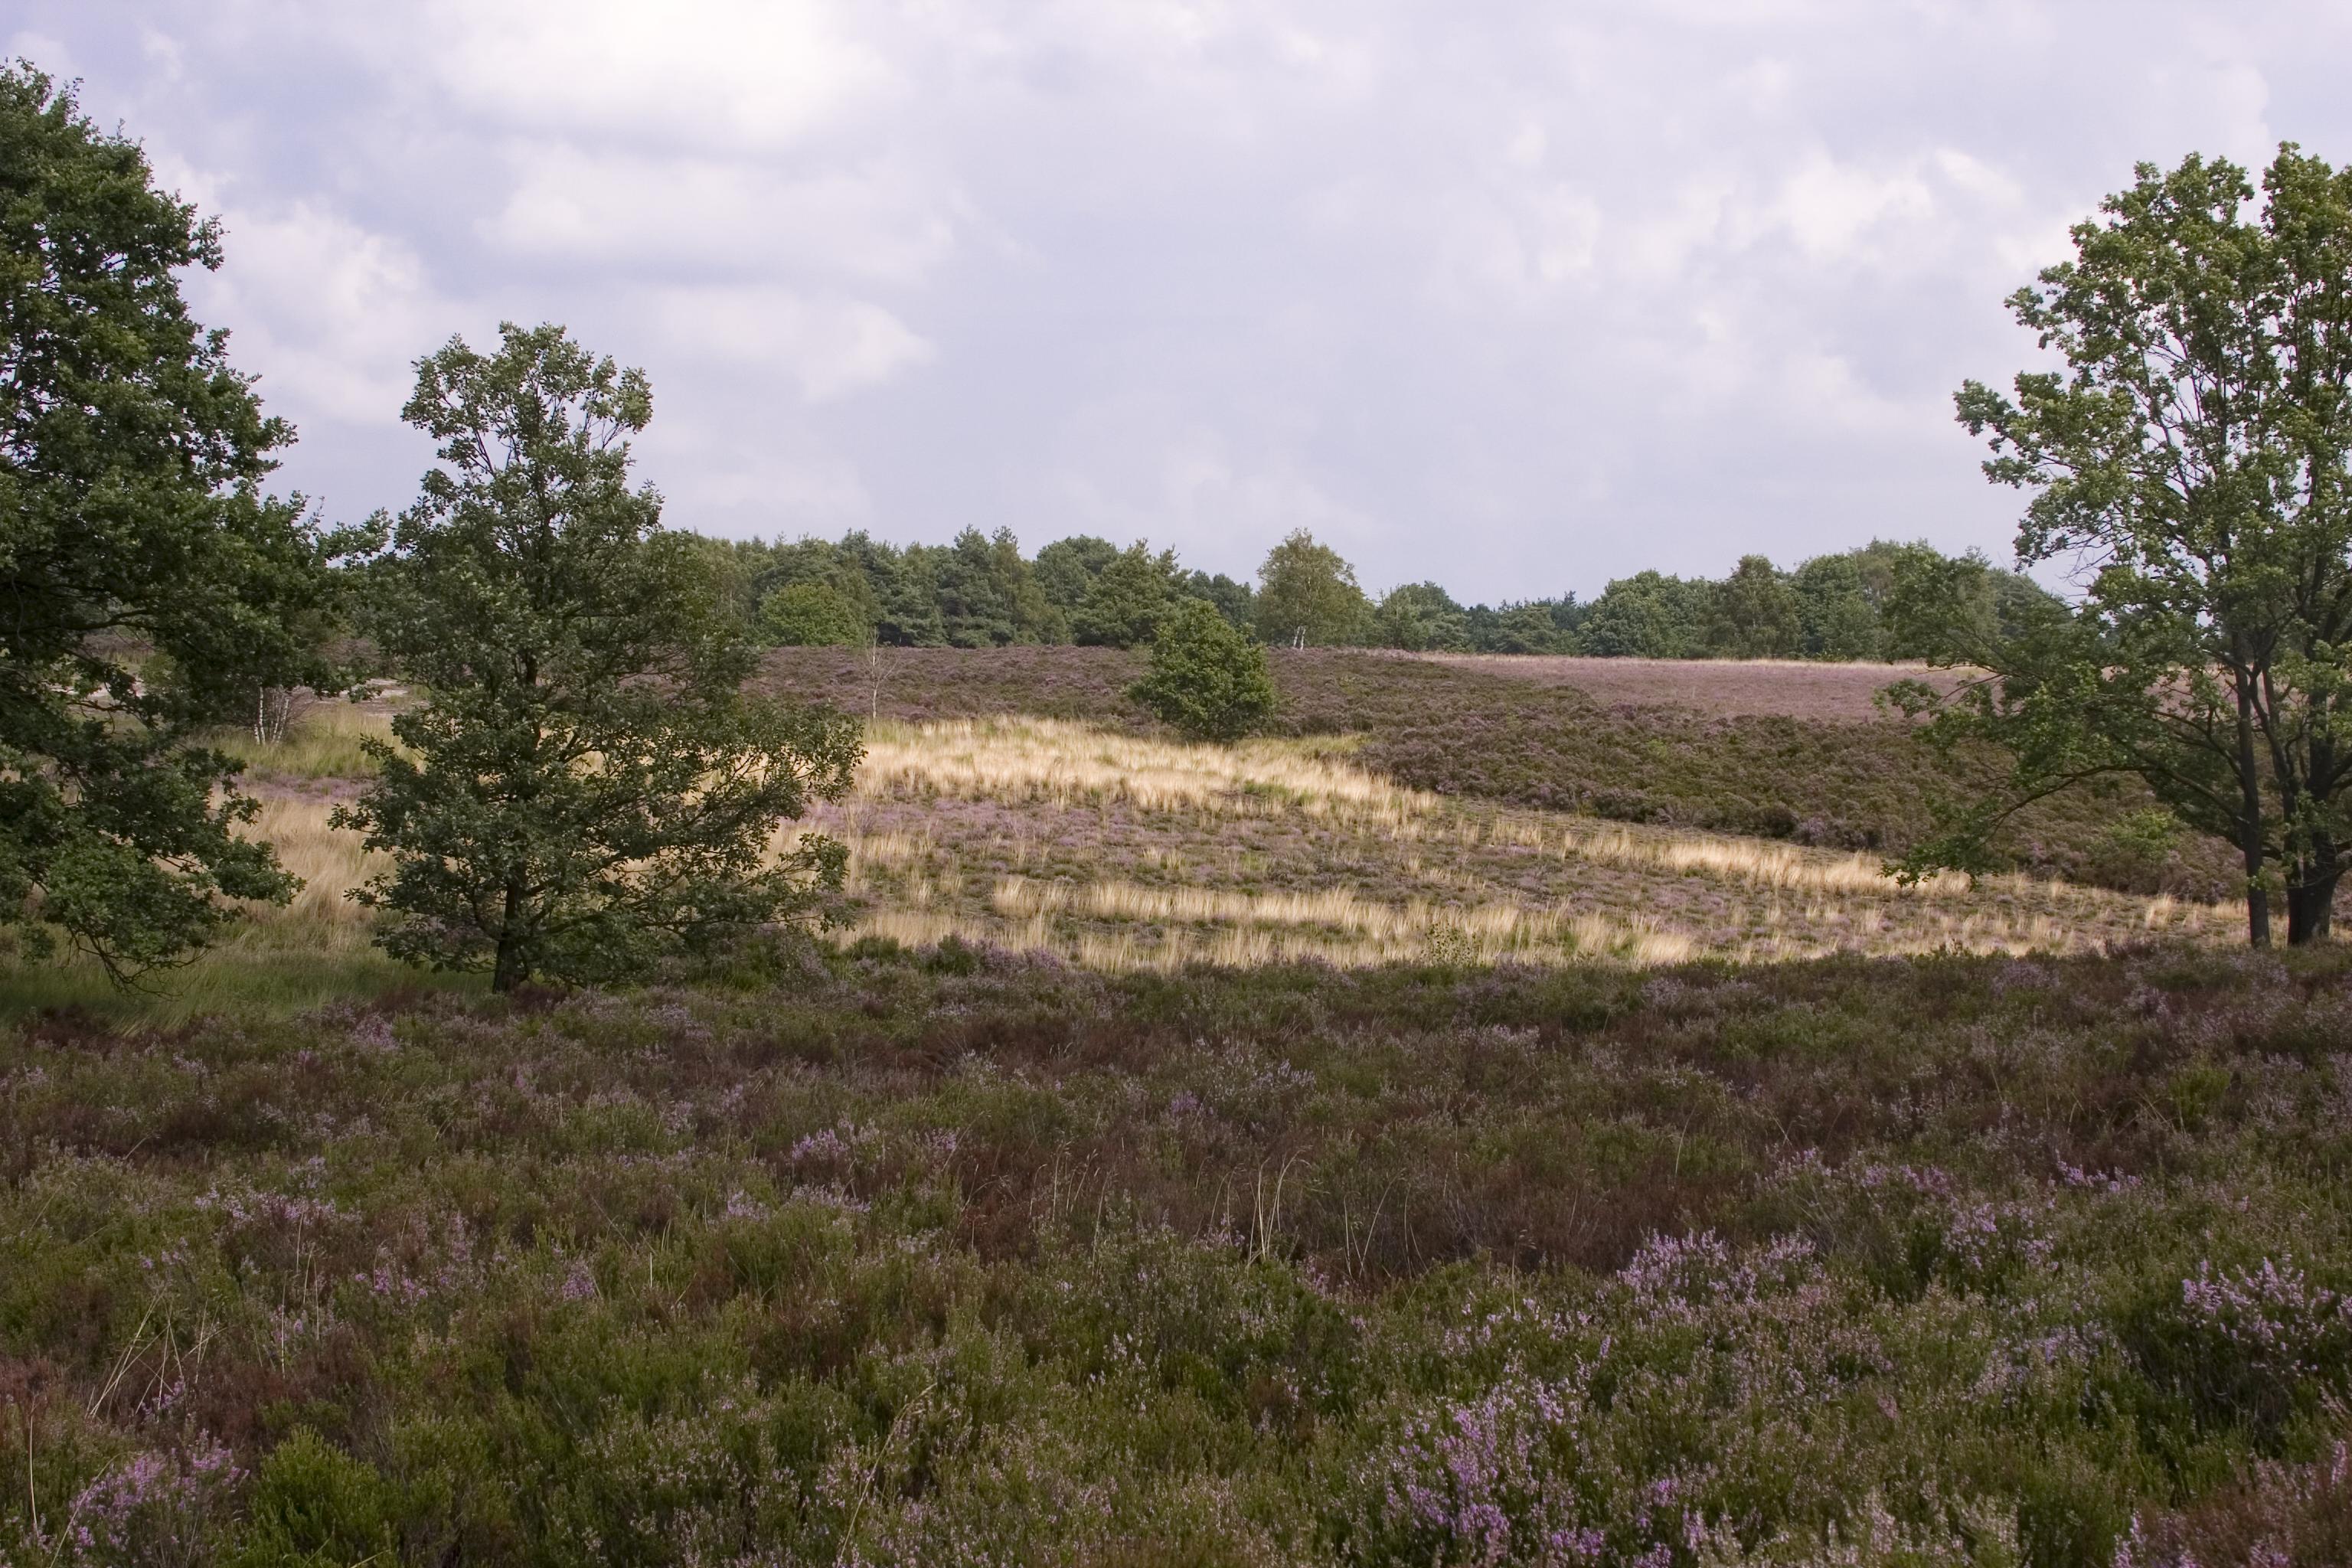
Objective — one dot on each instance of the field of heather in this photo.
(1181, 1153)
(1756, 688)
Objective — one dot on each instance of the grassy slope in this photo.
(965, 1258)
(1472, 731)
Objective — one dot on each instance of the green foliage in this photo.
(1129, 598)
(152, 589)
(1237, 602)
(1649, 616)
(1836, 618)
(1420, 618)
(314, 1506)
(586, 782)
(1207, 678)
(1306, 590)
(988, 594)
(814, 615)
(1067, 570)
(1754, 614)
(2193, 456)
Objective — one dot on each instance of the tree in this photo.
(1130, 594)
(1307, 591)
(586, 784)
(1067, 570)
(988, 595)
(149, 588)
(1753, 614)
(1419, 618)
(1235, 601)
(905, 596)
(1648, 615)
(1207, 677)
(2191, 458)
(814, 615)
(1835, 617)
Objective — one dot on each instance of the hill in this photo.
(1780, 751)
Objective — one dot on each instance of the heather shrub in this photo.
(901, 1256)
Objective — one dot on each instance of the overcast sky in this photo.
(1519, 297)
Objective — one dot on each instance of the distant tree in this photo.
(906, 593)
(1534, 626)
(1648, 615)
(814, 615)
(1237, 602)
(1305, 589)
(1129, 597)
(2194, 456)
(1207, 677)
(1420, 618)
(988, 595)
(148, 588)
(1835, 617)
(1066, 569)
(585, 783)
(1753, 614)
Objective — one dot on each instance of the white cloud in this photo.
(1516, 296)
(829, 348)
(741, 74)
(333, 314)
(696, 215)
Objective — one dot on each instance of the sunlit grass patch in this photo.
(325, 741)
(1051, 761)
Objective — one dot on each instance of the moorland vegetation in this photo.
(627, 1095)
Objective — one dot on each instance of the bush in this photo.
(1207, 678)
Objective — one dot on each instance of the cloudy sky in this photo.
(1515, 296)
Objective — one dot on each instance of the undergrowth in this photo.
(883, 1255)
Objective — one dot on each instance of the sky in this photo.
(1516, 296)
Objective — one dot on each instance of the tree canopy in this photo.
(585, 783)
(1206, 678)
(2190, 461)
(148, 586)
(1308, 592)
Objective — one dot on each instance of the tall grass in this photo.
(324, 741)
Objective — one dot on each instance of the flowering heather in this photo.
(954, 1256)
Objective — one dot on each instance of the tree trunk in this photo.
(2311, 900)
(511, 968)
(2250, 819)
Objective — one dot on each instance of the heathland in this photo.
(1425, 1134)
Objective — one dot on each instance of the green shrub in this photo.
(1207, 678)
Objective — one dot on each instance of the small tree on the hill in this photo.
(1207, 677)
(586, 782)
(2195, 455)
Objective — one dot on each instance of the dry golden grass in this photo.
(1131, 854)
(1126, 853)
(1047, 762)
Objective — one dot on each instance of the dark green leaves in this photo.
(1207, 678)
(147, 586)
(2190, 461)
(586, 786)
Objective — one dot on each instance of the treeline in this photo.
(981, 591)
